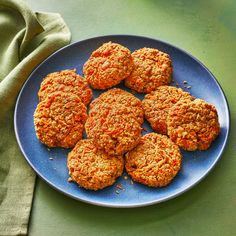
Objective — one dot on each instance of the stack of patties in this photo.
(113, 128)
(191, 123)
(61, 113)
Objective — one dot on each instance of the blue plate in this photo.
(196, 165)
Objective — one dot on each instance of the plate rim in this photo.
(117, 205)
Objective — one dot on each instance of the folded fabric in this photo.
(27, 38)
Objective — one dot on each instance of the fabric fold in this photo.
(27, 38)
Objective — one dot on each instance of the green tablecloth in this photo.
(206, 29)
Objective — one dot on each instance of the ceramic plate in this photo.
(51, 165)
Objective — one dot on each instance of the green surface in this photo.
(206, 29)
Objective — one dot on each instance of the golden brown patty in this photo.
(152, 68)
(155, 161)
(193, 124)
(65, 81)
(156, 105)
(113, 131)
(59, 120)
(92, 168)
(120, 100)
(108, 66)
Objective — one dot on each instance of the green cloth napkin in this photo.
(26, 39)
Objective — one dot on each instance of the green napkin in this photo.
(26, 39)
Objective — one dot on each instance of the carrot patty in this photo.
(155, 161)
(108, 66)
(114, 122)
(152, 68)
(59, 120)
(193, 124)
(92, 168)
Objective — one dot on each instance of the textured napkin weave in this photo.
(26, 39)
